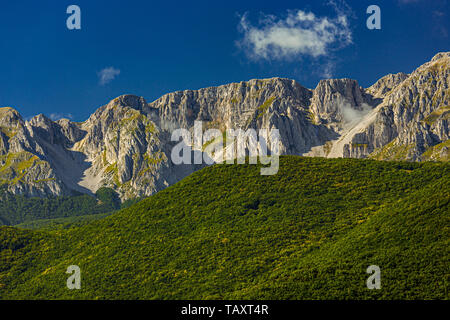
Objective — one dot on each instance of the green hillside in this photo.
(61, 223)
(226, 232)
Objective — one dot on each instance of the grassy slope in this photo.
(227, 232)
(61, 223)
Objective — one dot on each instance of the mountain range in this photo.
(227, 232)
(126, 144)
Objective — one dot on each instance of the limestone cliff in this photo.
(126, 144)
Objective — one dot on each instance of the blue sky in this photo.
(150, 48)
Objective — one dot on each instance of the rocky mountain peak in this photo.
(386, 84)
(41, 120)
(441, 55)
(71, 130)
(130, 101)
(11, 124)
(9, 117)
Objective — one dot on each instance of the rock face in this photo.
(126, 144)
(24, 167)
(333, 98)
(270, 103)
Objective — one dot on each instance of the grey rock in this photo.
(126, 144)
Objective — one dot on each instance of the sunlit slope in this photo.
(309, 232)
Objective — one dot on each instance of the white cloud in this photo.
(58, 116)
(107, 75)
(407, 1)
(326, 71)
(299, 33)
(439, 18)
(353, 116)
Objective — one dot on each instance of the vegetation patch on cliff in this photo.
(393, 151)
(435, 115)
(14, 166)
(265, 106)
(440, 152)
